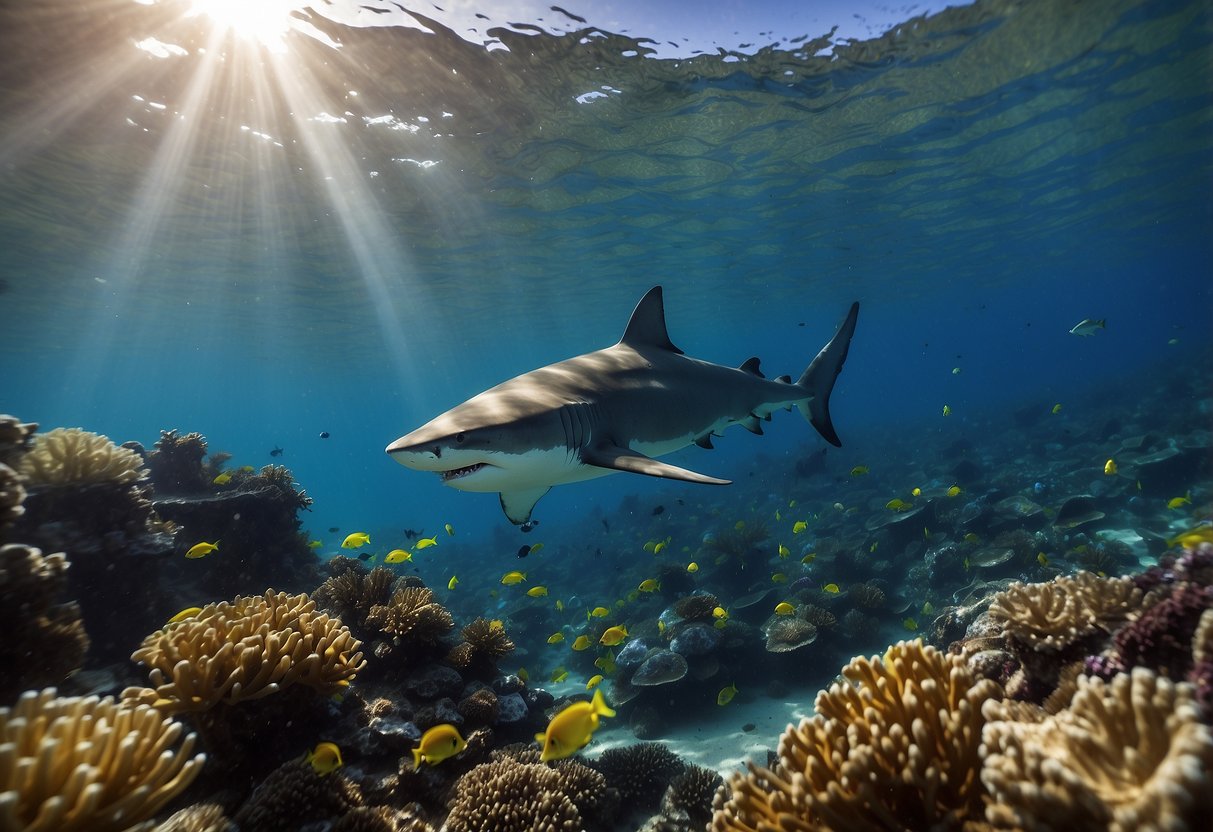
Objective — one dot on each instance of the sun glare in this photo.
(265, 21)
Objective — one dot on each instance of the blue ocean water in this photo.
(357, 228)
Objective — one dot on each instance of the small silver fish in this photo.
(1087, 327)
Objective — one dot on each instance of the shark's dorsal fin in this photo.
(646, 328)
(750, 365)
(612, 456)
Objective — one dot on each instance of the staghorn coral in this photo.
(88, 764)
(246, 649)
(1063, 611)
(44, 640)
(350, 594)
(696, 607)
(640, 772)
(1127, 755)
(295, 794)
(894, 747)
(72, 456)
(484, 642)
(412, 612)
(509, 796)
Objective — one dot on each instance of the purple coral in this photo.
(1161, 638)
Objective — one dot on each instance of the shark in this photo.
(612, 410)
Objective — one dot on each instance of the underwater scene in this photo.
(654, 417)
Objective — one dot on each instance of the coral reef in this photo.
(1065, 610)
(894, 747)
(484, 642)
(175, 466)
(690, 795)
(201, 817)
(12, 495)
(1161, 639)
(351, 593)
(787, 634)
(294, 794)
(45, 641)
(1126, 755)
(88, 764)
(696, 607)
(510, 796)
(246, 649)
(412, 614)
(641, 772)
(71, 456)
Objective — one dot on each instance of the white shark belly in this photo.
(538, 468)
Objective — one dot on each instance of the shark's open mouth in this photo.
(456, 473)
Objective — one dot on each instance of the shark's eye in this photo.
(459, 437)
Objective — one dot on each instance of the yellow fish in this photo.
(511, 578)
(947, 411)
(632, 596)
(536, 547)
(1109, 467)
(784, 551)
(648, 585)
(660, 547)
(971, 538)
(954, 491)
(910, 624)
(660, 626)
(188, 612)
(876, 543)
(613, 635)
(897, 504)
(594, 681)
(537, 591)
(739, 525)
(559, 605)
(201, 550)
(650, 545)
(1042, 558)
(559, 675)
(784, 608)
(247, 469)
(859, 470)
(314, 544)
(398, 556)
(726, 694)
(692, 567)
(605, 663)
(600, 612)
(791, 504)
(426, 542)
(917, 492)
(222, 479)
(778, 516)
(832, 589)
(779, 578)
(809, 558)
(720, 612)
(556, 638)
(450, 530)
(572, 728)
(1056, 409)
(325, 758)
(955, 371)
(523, 675)
(1193, 537)
(582, 642)
(928, 608)
(799, 526)
(355, 539)
(1173, 503)
(437, 744)
(965, 563)
(452, 583)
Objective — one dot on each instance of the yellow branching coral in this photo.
(1055, 614)
(412, 611)
(71, 456)
(88, 764)
(894, 747)
(246, 649)
(1130, 754)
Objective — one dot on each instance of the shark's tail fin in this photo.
(818, 378)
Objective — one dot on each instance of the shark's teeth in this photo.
(460, 472)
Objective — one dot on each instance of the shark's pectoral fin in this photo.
(625, 459)
(518, 505)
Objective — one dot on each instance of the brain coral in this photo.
(1127, 755)
(246, 649)
(895, 747)
(71, 456)
(88, 764)
(510, 796)
(1056, 614)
